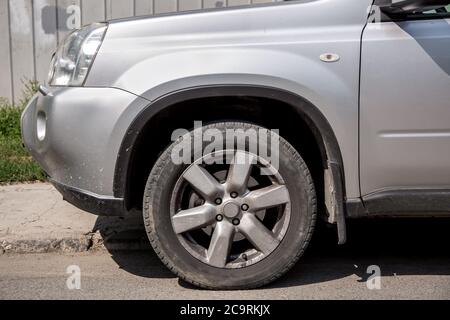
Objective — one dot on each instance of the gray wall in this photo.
(31, 29)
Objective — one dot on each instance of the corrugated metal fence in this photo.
(31, 29)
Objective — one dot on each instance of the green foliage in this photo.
(16, 165)
(9, 120)
(30, 88)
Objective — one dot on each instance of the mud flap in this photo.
(334, 200)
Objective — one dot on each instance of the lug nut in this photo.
(244, 207)
(219, 217)
(234, 194)
(218, 201)
(236, 221)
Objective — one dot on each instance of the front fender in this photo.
(325, 137)
(332, 88)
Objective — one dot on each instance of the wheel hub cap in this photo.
(231, 210)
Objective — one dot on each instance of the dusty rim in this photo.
(230, 209)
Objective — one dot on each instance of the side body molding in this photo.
(334, 174)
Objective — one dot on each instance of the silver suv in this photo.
(350, 99)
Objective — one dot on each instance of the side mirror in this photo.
(413, 6)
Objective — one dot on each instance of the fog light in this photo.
(41, 125)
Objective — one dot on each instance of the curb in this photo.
(86, 243)
(35, 219)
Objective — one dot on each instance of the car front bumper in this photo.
(75, 135)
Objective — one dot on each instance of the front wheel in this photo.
(230, 218)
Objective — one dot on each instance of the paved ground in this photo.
(34, 218)
(36, 211)
(413, 256)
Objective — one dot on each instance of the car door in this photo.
(405, 105)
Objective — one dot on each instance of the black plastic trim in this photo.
(402, 203)
(90, 202)
(355, 209)
(424, 17)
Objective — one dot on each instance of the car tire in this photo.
(265, 255)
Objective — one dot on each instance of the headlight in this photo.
(73, 59)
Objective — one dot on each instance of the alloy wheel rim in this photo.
(226, 221)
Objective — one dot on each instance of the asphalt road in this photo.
(413, 256)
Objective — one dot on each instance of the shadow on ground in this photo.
(127, 243)
(398, 246)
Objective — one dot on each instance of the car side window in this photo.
(419, 14)
(441, 12)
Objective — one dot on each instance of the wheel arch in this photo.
(334, 184)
